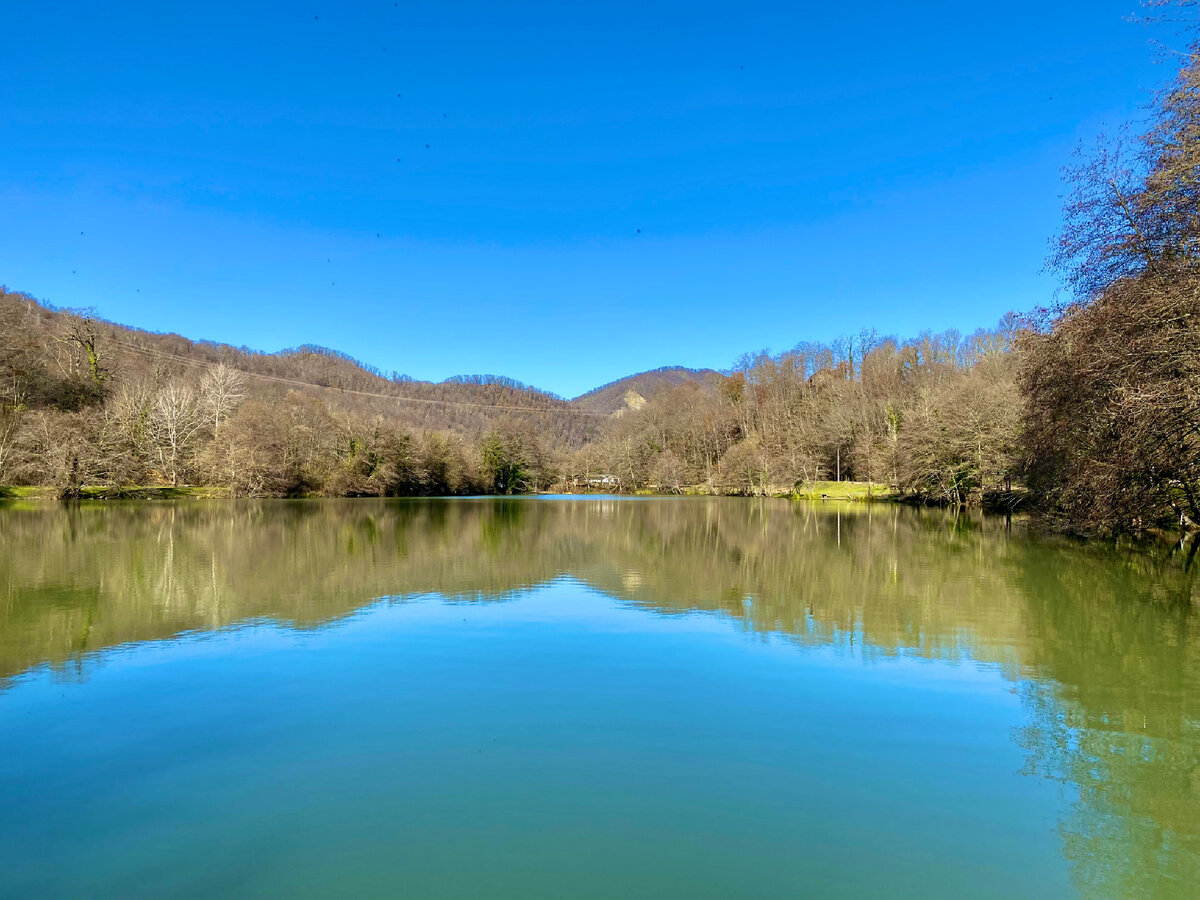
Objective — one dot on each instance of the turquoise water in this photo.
(588, 698)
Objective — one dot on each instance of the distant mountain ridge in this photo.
(632, 391)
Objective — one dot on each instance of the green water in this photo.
(589, 698)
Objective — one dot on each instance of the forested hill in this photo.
(85, 402)
(631, 391)
(48, 347)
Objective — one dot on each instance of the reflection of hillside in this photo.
(1103, 644)
(78, 579)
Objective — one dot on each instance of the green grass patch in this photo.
(843, 490)
(152, 492)
(27, 492)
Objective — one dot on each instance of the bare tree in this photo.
(175, 420)
(80, 334)
(1113, 430)
(222, 389)
(9, 422)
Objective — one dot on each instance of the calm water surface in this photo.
(589, 698)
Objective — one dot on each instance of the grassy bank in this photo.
(814, 490)
(817, 490)
(843, 490)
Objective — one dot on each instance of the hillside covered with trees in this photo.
(88, 402)
(632, 391)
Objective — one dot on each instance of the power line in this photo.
(308, 384)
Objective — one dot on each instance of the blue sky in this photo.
(563, 193)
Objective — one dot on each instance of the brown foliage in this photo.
(937, 417)
(84, 401)
(1113, 426)
(1113, 435)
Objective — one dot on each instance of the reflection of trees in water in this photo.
(894, 580)
(1118, 720)
(1133, 829)
(1102, 642)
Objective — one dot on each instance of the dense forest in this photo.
(1089, 410)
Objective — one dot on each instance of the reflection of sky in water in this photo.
(559, 730)
(685, 697)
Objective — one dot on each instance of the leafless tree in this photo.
(1113, 430)
(79, 334)
(175, 421)
(222, 389)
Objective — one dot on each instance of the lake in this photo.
(587, 698)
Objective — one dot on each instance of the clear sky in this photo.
(563, 192)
